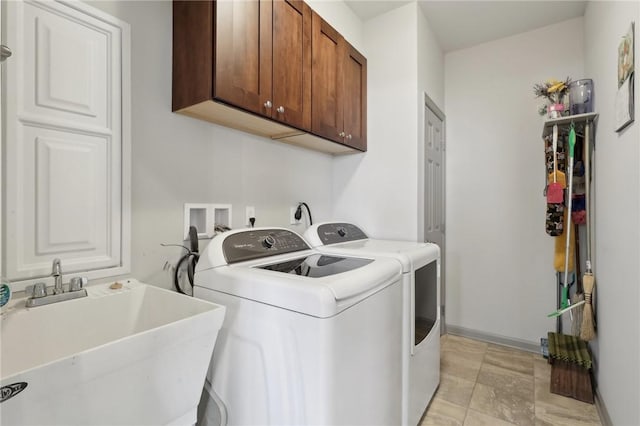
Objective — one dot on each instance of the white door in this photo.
(64, 139)
(434, 199)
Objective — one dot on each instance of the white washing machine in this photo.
(308, 338)
(421, 302)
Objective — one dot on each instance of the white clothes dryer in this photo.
(421, 305)
(308, 338)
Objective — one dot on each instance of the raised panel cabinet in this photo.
(66, 143)
(339, 80)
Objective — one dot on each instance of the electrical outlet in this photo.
(250, 212)
(292, 216)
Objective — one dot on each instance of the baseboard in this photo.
(602, 410)
(524, 345)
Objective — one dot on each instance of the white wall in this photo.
(431, 83)
(617, 216)
(430, 64)
(500, 277)
(177, 159)
(378, 189)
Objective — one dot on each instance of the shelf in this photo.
(578, 119)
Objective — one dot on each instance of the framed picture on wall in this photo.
(625, 97)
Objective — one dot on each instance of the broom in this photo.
(587, 331)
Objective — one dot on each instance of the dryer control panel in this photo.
(332, 233)
(258, 243)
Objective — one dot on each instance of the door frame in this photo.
(427, 102)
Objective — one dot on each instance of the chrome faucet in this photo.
(39, 295)
(56, 273)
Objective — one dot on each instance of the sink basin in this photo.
(137, 355)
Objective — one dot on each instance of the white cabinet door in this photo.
(65, 143)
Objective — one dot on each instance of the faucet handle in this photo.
(77, 283)
(36, 290)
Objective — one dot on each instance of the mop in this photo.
(564, 304)
(587, 331)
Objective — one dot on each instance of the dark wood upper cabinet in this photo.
(339, 80)
(243, 50)
(327, 103)
(235, 61)
(355, 98)
(292, 63)
(263, 58)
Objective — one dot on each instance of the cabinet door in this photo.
(355, 98)
(327, 101)
(65, 149)
(243, 54)
(292, 63)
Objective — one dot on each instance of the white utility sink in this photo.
(132, 356)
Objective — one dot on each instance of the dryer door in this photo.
(425, 302)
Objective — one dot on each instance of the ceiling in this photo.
(461, 24)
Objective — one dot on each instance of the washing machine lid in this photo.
(324, 286)
(347, 238)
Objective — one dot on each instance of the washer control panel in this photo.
(258, 243)
(332, 233)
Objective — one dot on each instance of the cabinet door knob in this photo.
(280, 109)
(268, 104)
(349, 136)
(341, 134)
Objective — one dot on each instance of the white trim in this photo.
(2, 130)
(605, 419)
(497, 339)
(125, 97)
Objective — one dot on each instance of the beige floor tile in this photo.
(511, 359)
(443, 413)
(455, 390)
(464, 365)
(510, 381)
(560, 410)
(485, 384)
(476, 418)
(464, 345)
(502, 404)
(541, 368)
(549, 414)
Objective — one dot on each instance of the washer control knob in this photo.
(268, 241)
(342, 232)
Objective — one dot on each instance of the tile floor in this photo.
(485, 384)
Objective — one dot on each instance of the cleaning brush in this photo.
(587, 331)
